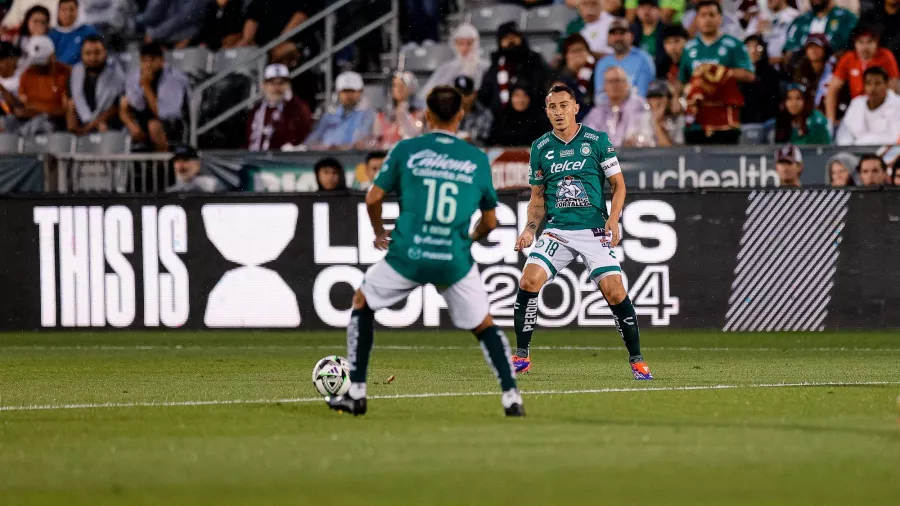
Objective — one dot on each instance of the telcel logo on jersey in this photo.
(566, 166)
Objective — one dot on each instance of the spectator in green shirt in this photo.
(836, 23)
(648, 28)
(799, 122)
(670, 11)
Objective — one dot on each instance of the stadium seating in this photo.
(104, 143)
(193, 61)
(549, 20)
(59, 142)
(129, 60)
(425, 59)
(488, 19)
(10, 143)
(227, 58)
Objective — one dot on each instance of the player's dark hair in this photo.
(152, 49)
(444, 102)
(375, 154)
(876, 71)
(561, 88)
(871, 156)
(706, 3)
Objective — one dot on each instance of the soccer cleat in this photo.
(521, 364)
(515, 410)
(345, 404)
(641, 371)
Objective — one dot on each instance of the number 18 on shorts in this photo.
(556, 249)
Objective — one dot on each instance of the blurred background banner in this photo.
(819, 259)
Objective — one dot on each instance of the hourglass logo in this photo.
(251, 235)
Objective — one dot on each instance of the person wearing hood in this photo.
(69, 33)
(468, 62)
(520, 123)
(402, 118)
(512, 62)
(280, 118)
(840, 170)
(95, 87)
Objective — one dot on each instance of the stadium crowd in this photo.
(648, 72)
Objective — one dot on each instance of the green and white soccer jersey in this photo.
(573, 175)
(440, 182)
(726, 51)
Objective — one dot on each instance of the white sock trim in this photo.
(510, 397)
(357, 391)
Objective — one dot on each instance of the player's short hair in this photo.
(560, 88)
(372, 155)
(876, 71)
(870, 156)
(444, 102)
(706, 3)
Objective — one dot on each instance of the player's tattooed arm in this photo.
(536, 211)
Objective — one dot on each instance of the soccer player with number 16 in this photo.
(568, 167)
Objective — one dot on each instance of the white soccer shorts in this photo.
(467, 299)
(556, 249)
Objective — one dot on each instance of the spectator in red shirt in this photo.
(853, 64)
(280, 118)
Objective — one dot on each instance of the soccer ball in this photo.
(331, 376)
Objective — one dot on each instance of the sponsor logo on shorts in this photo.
(570, 193)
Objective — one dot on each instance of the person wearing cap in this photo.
(773, 23)
(826, 18)
(623, 115)
(280, 118)
(348, 125)
(513, 61)
(634, 60)
(815, 68)
(593, 24)
(402, 117)
(95, 88)
(577, 71)
(789, 165)
(186, 165)
(155, 99)
(42, 89)
(70, 32)
(465, 42)
(849, 70)
(666, 115)
(798, 122)
(674, 38)
(647, 28)
(874, 118)
(478, 120)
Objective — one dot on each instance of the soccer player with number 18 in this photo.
(568, 167)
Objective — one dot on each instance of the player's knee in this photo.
(613, 289)
(359, 300)
(487, 323)
(532, 281)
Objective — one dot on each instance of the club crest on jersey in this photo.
(585, 149)
(570, 193)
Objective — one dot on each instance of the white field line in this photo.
(298, 400)
(332, 347)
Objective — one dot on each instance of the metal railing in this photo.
(132, 173)
(329, 16)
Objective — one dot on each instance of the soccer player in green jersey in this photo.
(568, 167)
(440, 182)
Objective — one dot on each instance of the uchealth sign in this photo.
(690, 260)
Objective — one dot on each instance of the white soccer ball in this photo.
(331, 376)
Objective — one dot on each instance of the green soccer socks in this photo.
(525, 320)
(627, 325)
(496, 353)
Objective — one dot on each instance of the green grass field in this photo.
(232, 418)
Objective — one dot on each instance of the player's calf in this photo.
(496, 353)
(626, 322)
